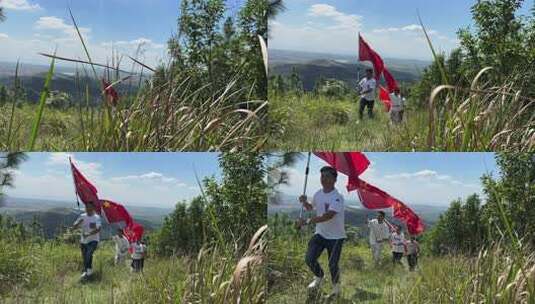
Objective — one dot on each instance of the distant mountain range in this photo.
(312, 66)
(53, 215)
(355, 214)
(32, 77)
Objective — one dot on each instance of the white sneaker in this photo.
(336, 290)
(84, 274)
(89, 271)
(316, 283)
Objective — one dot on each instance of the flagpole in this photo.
(358, 67)
(74, 183)
(307, 170)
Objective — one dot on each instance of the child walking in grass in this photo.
(139, 250)
(413, 250)
(398, 107)
(121, 247)
(397, 240)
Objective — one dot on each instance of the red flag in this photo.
(351, 164)
(366, 53)
(116, 213)
(111, 94)
(134, 232)
(84, 189)
(385, 98)
(372, 197)
(391, 83)
(414, 224)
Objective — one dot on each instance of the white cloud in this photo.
(326, 29)
(55, 182)
(68, 33)
(342, 21)
(151, 177)
(426, 174)
(420, 187)
(3, 36)
(140, 42)
(21, 5)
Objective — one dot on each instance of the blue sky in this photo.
(414, 178)
(391, 27)
(146, 179)
(40, 25)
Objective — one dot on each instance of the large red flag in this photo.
(384, 97)
(366, 53)
(133, 232)
(414, 224)
(116, 213)
(391, 83)
(84, 189)
(351, 164)
(372, 197)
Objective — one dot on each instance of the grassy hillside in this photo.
(320, 123)
(49, 272)
(495, 276)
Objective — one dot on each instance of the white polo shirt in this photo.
(322, 202)
(398, 102)
(366, 84)
(378, 232)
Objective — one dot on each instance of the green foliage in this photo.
(211, 47)
(468, 226)
(8, 162)
(514, 193)
(228, 212)
(460, 230)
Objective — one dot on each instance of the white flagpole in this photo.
(307, 170)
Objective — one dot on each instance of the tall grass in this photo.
(49, 271)
(496, 275)
(163, 115)
(487, 116)
(310, 122)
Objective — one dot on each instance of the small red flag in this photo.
(351, 164)
(384, 97)
(115, 213)
(366, 53)
(372, 197)
(391, 83)
(133, 232)
(84, 188)
(414, 224)
(111, 95)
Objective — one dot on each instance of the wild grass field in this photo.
(204, 96)
(495, 276)
(313, 123)
(478, 97)
(50, 273)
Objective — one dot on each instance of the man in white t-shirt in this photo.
(90, 223)
(379, 234)
(367, 87)
(121, 247)
(330, 231)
